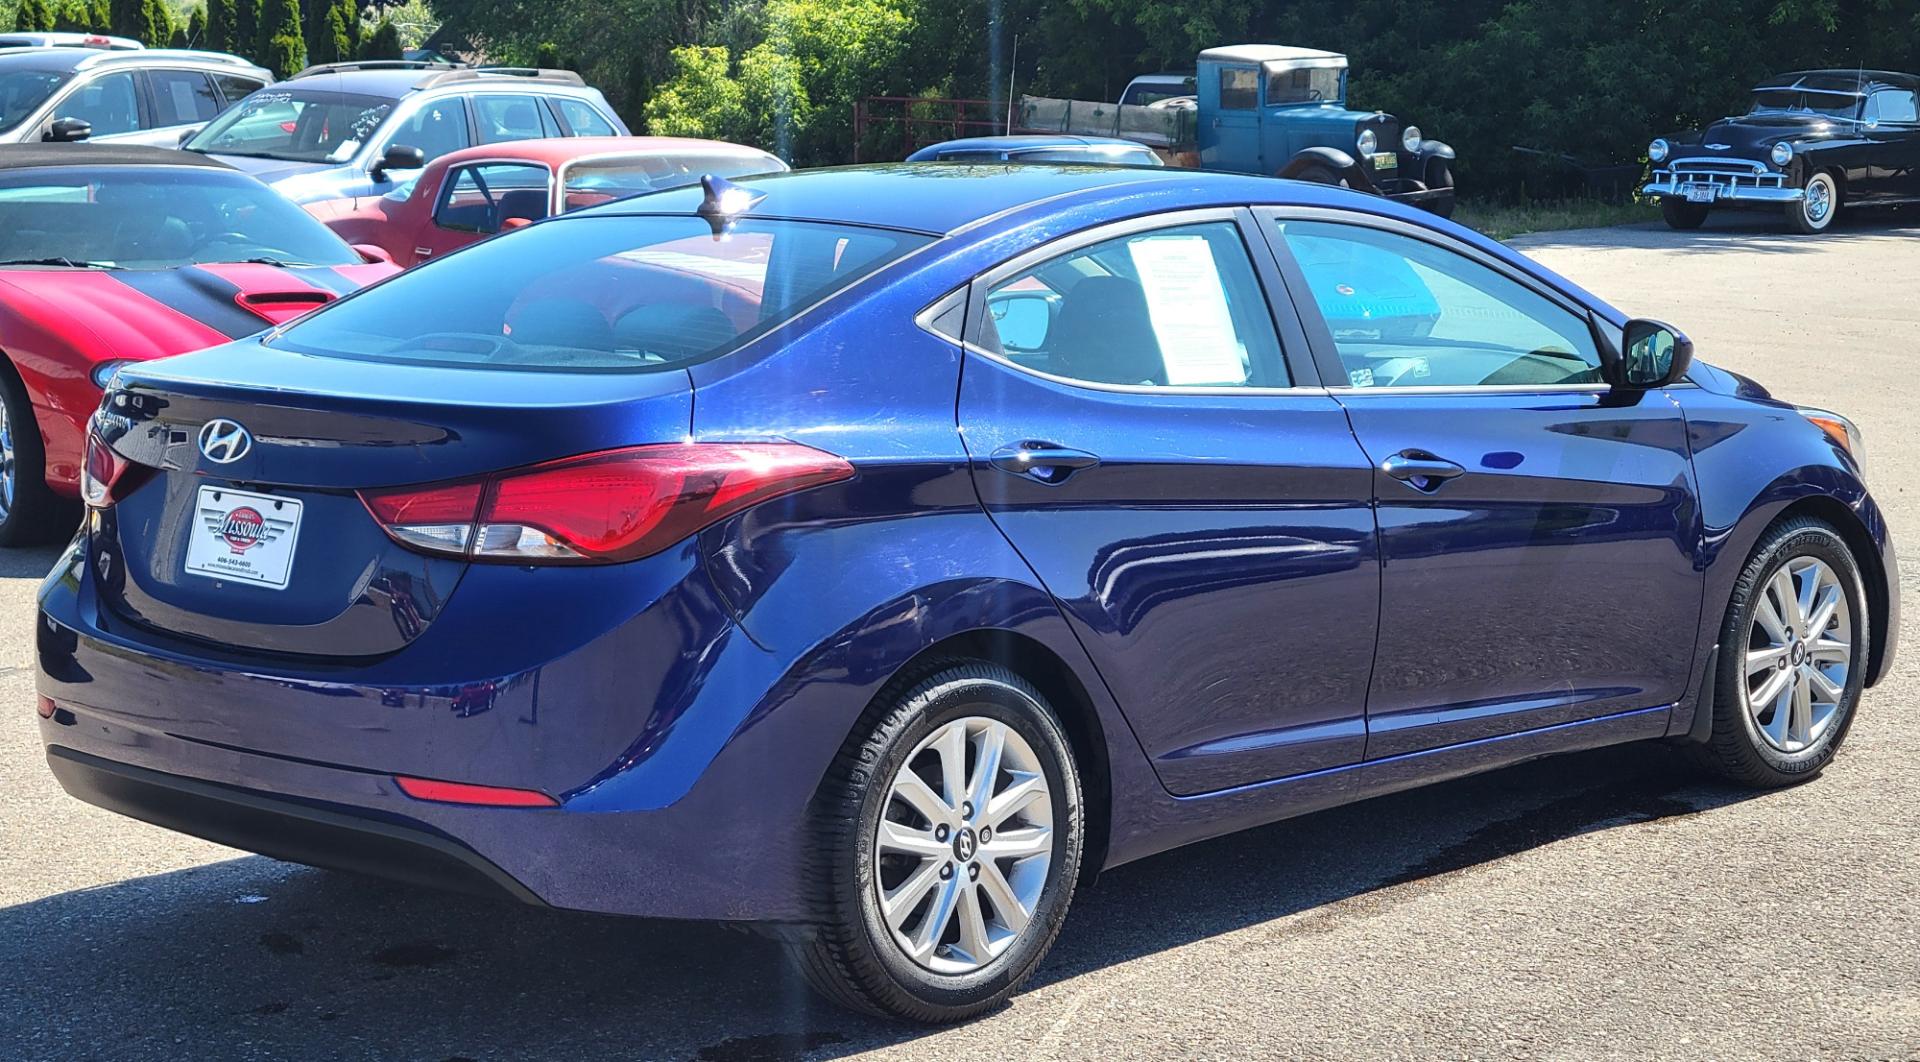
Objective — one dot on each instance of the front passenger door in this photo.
(1537, 528)
(1141, 433)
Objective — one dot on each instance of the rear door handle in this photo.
(1420, 469)
(1044, 461)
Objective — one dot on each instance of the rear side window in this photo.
(583, 119)
(601, 294)
(235, 88)
(505, 118)
(182, 97)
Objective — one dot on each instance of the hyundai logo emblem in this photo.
(224, 441)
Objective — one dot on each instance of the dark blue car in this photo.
(876, 553)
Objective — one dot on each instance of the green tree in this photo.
(32, 16)
(196, 29)
(702, 98)
(73, 17)
(219, 36)
(335, 44)
(128, 17)
(383, 42)
(286, 55)
(156, 24)
(247, 16)
(281, 19)
(100, 16)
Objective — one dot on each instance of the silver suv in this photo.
(151, 96)
(348, 130)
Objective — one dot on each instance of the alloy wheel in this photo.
(1819, 201)
(1799, 647)
(965, 845)
(7, 462)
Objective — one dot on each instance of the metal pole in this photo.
(1011, 67)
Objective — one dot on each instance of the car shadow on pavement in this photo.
(253, 958)
(28, 562)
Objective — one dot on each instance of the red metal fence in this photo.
(893, 127)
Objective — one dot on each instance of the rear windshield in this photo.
(592, 182)
(600, 294)
(304, 126)
(155, 217)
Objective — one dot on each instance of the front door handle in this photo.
(1044, 461)
(1420, 470)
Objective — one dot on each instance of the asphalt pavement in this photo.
(1605, 905)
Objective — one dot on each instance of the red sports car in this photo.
(465, 196)
(111, 254)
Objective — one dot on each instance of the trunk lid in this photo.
(318, 429)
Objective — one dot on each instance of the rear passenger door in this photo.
(1150, 437)
(179, 102)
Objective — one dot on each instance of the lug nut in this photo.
(986, 834)
(966, 810)
(946, 872)
(939, 833)
(973, 872)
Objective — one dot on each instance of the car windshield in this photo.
(1805, 101)
(155, 217)
(299, 126)
(591, 182)
(1302, 84)
(605, 293)
(23, 91)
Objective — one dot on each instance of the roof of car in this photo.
(555, 150)
(38, 156)
(402, 79)
(921, 196)
(1851, 82)
(1264, 53)
(1024, 142)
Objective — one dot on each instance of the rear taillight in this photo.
(601, 508)
(106, 477)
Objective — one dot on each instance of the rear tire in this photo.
(1815, 213)
(866, 955)
(30, 513)
(1774, 724)
(1680, 214)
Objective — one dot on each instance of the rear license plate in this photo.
(1700, 193)
(1386, 160)
(243, 537)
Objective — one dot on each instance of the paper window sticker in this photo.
(1187, 307)
(1360, 377)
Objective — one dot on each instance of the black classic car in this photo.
(1813, 141)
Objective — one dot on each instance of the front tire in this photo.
(947, 841)
(30, 513)
(1682, 215)
(1814, 213)
(1440, 175)
(1793, 659)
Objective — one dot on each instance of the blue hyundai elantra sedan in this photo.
(874, 554)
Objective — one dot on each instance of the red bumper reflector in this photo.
(462, 793)
(45, 707)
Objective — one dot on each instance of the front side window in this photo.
(505, 118)
(156, 217)
(1239, 89)
(601, 293)
(1295, 84)
(485, 198)
(108, 103)
(182, 97)
(297, 126)
(1173, 307)
(1407, 313)
(435, 127)
(582, 118)
(1891, 105)
(23, 91)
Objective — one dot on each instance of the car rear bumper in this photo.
(1723, 193)
(687, 820)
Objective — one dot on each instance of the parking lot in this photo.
(1604, 905)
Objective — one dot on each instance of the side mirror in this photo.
(1656, 355)
(67, 131)
(399, 157)
(186, 135)
(373, 254)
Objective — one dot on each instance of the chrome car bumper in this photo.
(1726, 180)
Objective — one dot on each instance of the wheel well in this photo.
(1063, 690)
(1872, 572)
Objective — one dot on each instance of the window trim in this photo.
(1320, 337)
(1293, 342)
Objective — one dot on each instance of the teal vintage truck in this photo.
(1267, 109)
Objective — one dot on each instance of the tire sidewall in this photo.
(27, 519)
(1807, 540)
(1020, 709)
(1804, 221)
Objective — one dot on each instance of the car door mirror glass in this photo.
(1655, 354)
(1022, 319)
